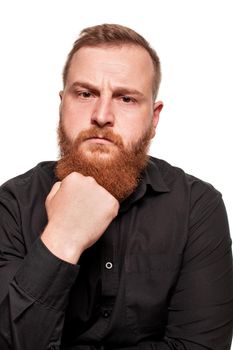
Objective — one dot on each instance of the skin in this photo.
(106, 87)
(110, 87)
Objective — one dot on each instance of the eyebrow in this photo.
(119, 90)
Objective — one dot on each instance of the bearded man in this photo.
(109, 247)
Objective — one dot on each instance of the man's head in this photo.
(115, 35)
(108, 112)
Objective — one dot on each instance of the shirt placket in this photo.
(109, 272)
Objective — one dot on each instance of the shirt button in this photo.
(109, 265)
(106, 313)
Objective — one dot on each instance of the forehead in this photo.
(118, 64)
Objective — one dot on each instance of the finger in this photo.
(54, 190)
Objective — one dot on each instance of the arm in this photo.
(32, 308)
(200, 312)
(35, 284)
(201, 307)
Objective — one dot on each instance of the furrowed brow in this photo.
(117, 91)
(127, 91)
(85, 85)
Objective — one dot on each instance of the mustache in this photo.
(95, 132)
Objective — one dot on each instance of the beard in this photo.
(115, 167)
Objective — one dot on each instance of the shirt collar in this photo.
(151, 177)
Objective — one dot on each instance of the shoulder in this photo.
(38, 179)
(196, 202)
(186, 188)
(175, 176)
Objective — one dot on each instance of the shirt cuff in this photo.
(45, 277)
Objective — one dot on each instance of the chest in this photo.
(132, 270)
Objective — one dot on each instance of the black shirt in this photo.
(159, 278)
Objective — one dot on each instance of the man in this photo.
(108, 247)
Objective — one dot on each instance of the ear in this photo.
(158, 106)
(61, 94)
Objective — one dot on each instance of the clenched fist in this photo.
(79, 211)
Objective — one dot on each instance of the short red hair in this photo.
(113, 35)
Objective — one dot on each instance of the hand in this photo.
(79, 211)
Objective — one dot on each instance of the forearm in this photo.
(32, 311)
(168, 344)
(36, 328)
(165, 344)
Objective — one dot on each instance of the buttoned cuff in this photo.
(45, 277)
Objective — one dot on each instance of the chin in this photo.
(97, 155)
(98, 150)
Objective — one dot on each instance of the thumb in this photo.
(54, 190)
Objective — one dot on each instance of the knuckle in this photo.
(90, 179)
(47, 201)
(115, 206)
(73, 175)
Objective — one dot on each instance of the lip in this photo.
(99, 140)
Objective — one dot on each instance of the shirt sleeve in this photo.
(200, 313)
(34, 287)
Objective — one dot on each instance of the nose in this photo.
(103, 114)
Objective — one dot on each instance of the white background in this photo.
(194, 41)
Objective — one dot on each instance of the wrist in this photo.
(60, 245)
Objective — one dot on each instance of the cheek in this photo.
(131, 130)
(74, 119)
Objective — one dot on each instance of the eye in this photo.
(128, 99)
(84, 94)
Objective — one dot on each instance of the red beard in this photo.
(119, 172)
